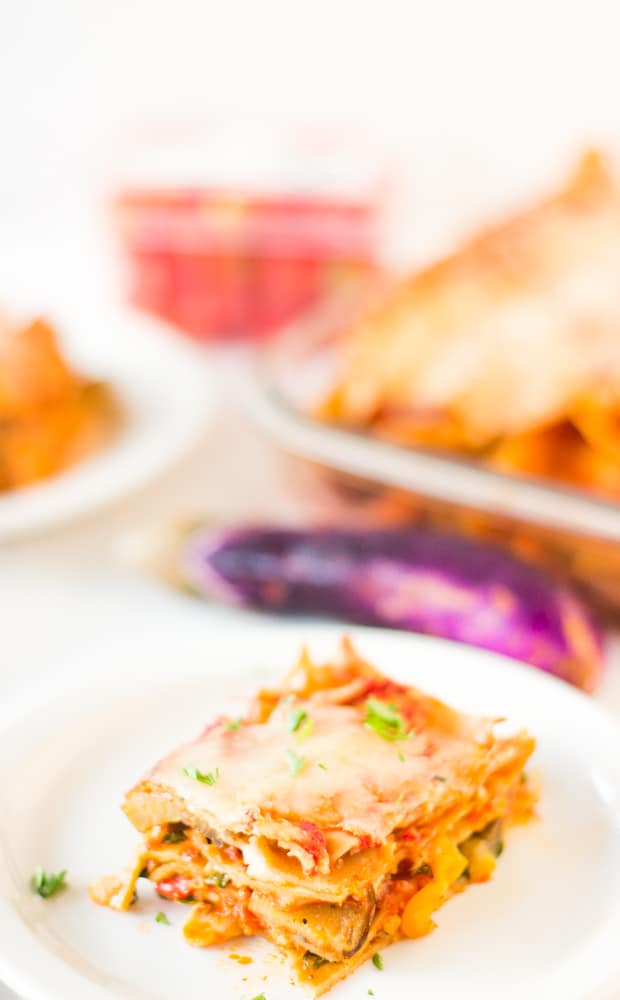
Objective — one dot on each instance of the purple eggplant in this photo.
(406, 578)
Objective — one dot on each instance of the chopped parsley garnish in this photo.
(306, 729)
(173, 837)
(322, 766)
(191, 771)
(161, 918)
(424, 869)
(259, 996)
(439, 777)
(48, 885)
(295, 761)
(401, 756)
(400, 799)
(295, 718)
(371, 993)
(377, 961)
(385, 720)
(234, 724)
(220, 879)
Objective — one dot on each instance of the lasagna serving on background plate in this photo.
(334, 818)
(50, 416)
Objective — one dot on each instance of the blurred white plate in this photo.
(546, 926)
(161, 383)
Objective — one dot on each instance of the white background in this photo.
(475, 97)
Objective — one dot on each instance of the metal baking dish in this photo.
(574, 531)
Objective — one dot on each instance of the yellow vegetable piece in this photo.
(481, 860)
(417, 915)
(448, 865)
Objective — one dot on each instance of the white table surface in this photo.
(65, 591)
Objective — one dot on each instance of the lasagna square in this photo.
(334, 818)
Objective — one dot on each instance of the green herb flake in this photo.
(322, 766)
(316, 961)
(306, 729)
(259, 996)
(295, 718)
(48, 885)
(191, 771)
(371, 993)
(385, 720)
(174, 837)
(161, 918)
(234, 724)
(400, 799)
(295, 761)
(439, 777)
(424, 869)
(401, 756)
(377, 961)
(221, 879)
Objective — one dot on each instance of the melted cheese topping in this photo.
(366, 784)
(349, 778)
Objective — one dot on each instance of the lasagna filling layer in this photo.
(320, 934)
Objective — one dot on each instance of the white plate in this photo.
(163, 389)
(546, 926)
